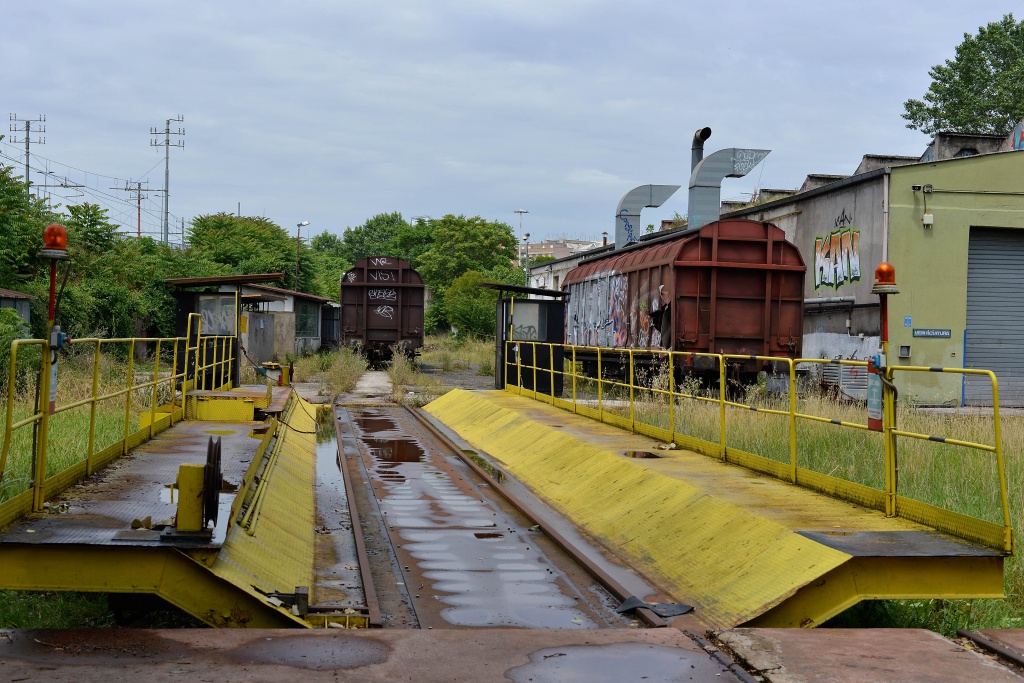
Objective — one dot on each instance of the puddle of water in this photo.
(394, 450)
(482, 574)
(642, 454)
(617, 662)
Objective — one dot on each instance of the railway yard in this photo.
(430, 561)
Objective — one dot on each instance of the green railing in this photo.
(49, 445)
(650, 392)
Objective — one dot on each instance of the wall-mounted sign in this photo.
(906, 321)
(937, 334)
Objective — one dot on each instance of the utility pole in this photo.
(66, 184)
(167, 144)
(138, 190)
(40, 128)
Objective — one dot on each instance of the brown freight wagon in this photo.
(382, 308)
(733, 286)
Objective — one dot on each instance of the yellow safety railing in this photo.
(188, 363)
(612, 397)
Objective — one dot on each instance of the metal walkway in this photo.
(745, 548)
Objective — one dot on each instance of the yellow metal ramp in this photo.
(105, 534)
(745, 548)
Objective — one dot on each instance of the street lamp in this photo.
(526, 260)
(298, 229)
(521, 212)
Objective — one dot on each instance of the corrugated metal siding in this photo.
(995, 315)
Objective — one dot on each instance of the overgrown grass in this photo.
(68, 430)
(455, 353)
(952, 477)
(336, 372)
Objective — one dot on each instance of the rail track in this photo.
(446, 546)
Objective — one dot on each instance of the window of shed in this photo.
(307, 319)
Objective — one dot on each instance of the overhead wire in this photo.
(125, 209)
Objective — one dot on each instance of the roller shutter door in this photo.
(994, 339)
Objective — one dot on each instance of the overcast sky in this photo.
(333, 112)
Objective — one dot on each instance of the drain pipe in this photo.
(697, 149)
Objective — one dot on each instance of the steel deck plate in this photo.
(100, 511)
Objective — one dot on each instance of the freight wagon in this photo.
(730, 287)
(382, 301)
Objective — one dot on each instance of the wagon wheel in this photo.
(212, 481)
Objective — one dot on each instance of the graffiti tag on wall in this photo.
(837, 258)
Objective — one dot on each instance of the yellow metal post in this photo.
(152, 399)
(632, 393)
(792, 420)
(671, 395)
(190, 497)
(42, 436)
(551, 360)
(600, 388)
(174, 374)
(721, 404)
(92, 407)
(574, 379)
(128, 397)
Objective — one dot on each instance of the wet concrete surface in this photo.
(465, 560)
(455, 656)
(861, 656)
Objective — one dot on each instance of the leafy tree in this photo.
(22, 221)
(329, 263)
(375, 237)
(460, 244)
(981, 90)
(248, 245)
(89, 230)
(469, 307)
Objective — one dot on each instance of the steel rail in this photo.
(992, 645)
(610, 584)
(369, 590)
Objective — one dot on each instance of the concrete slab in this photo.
(444, 655)
(860, 656)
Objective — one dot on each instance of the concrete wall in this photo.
(931, 263)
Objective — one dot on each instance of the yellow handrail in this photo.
(603, 358)
(219, 368)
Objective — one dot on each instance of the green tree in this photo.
(980, 90)
(248, 245)
(22, 221)
(460, 244)
(329, 263)
(375, 237)
(89, 230)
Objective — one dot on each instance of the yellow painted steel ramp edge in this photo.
(743, 547)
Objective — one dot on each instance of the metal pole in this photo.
(166, 233)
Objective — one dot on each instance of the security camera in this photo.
(915, 188)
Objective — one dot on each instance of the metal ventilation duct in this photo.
(705, 201)
(627, 215)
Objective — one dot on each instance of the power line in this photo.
(40, 128)
(138, 190)
(167, 144)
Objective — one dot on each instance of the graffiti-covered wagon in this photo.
(382, 308)
(733, 287)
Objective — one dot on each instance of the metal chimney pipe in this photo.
(697, 150)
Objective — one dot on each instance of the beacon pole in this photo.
(881, 395)
(55, 248)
